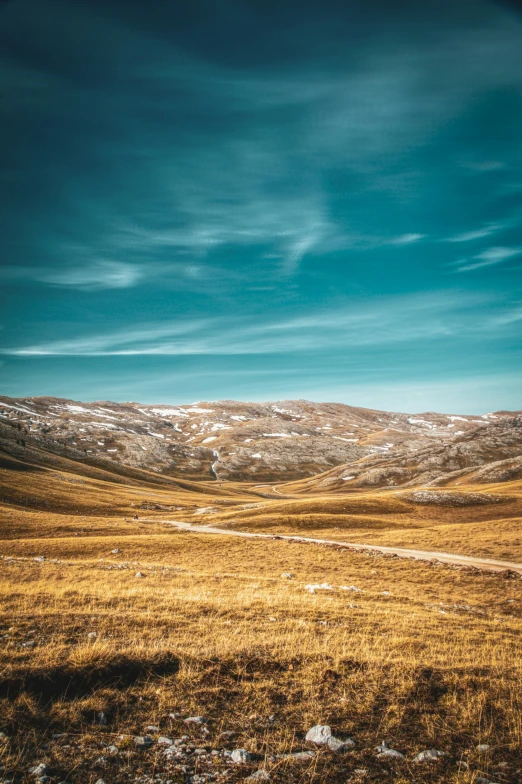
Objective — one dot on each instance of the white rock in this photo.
(430, 755)
(289, 576)
(319, 734)
(195, 720)
(151, 728)
(92, 635)
(259, 775)
(482, 748)
(139, 574)
(112, 749)
(164, 741)
(298, 756)
(143, 741)
(384, 751)
(38, 770)
(340, 746)
(240, 756)
(115, 551)
(312, 588)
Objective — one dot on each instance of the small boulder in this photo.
(287, 576)
(340, 746)
(164, 741)
(143, 741)
(384, 751)
(115, 551)
(92, 635)
(152, 728)
(298, 756)
(195, 720)
(319, 734)
(259, 775)
(139, 574)
(240, 756)
(483, 748)
(112, 750)
(430, 755)
(38, 770)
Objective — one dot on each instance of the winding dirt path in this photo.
(486, 564)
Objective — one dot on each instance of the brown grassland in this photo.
(423, 656)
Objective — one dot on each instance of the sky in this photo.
(258, 200)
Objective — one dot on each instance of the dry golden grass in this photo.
(213, 629)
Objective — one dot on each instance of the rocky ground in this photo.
(259, 442)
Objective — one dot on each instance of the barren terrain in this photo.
(117, 627)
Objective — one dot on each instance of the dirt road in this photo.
(486, 564)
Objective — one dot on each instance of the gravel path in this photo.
(487, 564)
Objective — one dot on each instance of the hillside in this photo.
(228, 440)
(491, 454)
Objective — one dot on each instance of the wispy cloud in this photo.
(487, 258)
(470, 236)
(384, 321)
(407, 239)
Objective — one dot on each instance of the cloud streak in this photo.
(410, 320)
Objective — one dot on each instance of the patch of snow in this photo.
(207, 440)
(156, 435)
(457, 419)
(257, 454)
(425, 422)
(20, 408)
(351, 440)
(346, 478)
(220, 426)
(276, 435)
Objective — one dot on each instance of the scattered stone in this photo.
(195, 720)
(92, 635)
(312, 588)
(340, 746)
(139, 574)
(164, 741)
(101, 719)
(482, 748)
(430, 755)
(481, 780)
(100, 781)
(351, 588)
(40, 558)
(112, 749)
(385, 751)
(143, 741)
(240, 756)
(298, 756)
(319, 734)
(259, 775)
(462, 765)
(115, 551)
(151, 728)
(38, 770)
(3, 737)
(288, 576)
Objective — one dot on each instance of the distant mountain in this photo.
(486, 454)
(260, 442)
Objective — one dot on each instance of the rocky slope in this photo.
(486, 454)
(259, 442)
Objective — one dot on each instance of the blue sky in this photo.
(261, 201)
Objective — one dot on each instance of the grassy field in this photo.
(421, 656)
